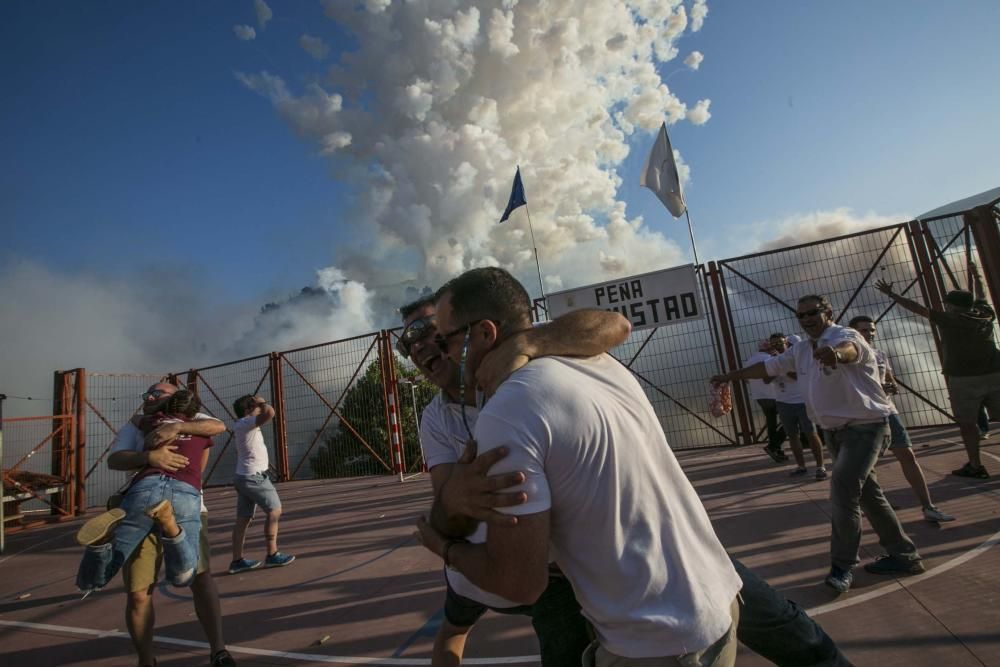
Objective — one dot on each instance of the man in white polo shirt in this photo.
(762, 391)
(839, 378)
(791, 407)
(602, 487)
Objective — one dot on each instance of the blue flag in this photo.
(517, 198)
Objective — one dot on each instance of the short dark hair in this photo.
(410, 308)
(858, 319)
(489, 293)
(824, 303)
(243, 405)
(184, 403)
(776, 334)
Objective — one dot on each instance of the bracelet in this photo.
(447, 550)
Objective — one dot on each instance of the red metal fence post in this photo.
(192, 381)
(280, 424)
(986, 231)
(925, 274)
(731, 352)
(390, 400)
(80, 415)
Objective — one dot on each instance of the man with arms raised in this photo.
(602, 487)
(130, 451)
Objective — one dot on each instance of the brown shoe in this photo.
(162, 512)
(101, 528)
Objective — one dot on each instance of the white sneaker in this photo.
(934, 515)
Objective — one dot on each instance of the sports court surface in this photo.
(363, 592)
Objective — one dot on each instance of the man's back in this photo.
(626, 525)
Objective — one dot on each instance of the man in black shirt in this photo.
(971, 364)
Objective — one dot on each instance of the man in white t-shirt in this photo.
(253, 485)
(899, 440)
(839, 379)
(602, 488)
(791, 407)
(762, 391)
(132, 451)
(563, 633)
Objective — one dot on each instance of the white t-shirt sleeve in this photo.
(243, 425)
(781, 364)
(526, 453)
(845, 334)
(435, 437)
(129, 439)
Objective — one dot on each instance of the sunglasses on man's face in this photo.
(415, 331)
(809, 313)
(156, 393)
(442, 339)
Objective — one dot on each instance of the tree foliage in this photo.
(343, 454)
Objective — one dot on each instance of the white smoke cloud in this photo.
(430, 128)
(699, 115)
(244, 32)
(694, 59)
(699, 10)
(314, 46)
(264, 13)
(819, 225)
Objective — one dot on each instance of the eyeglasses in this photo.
(415, 331)
(809, 313)
(442, 339)
(156, 393)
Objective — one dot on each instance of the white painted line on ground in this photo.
(909, 582)
(288, 655)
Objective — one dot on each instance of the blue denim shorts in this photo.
(253, 491)
(899, 438)
(794, 418)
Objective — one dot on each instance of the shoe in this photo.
(161, 512)
(776, 454)
(278, 559)
(100, 529)
(969, 470)
(891, 565)
(934, 515)
(223, 658)
(798, 472)
(243, 565)
(839, 579)
(821, 473)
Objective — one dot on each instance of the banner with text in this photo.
(649, 300)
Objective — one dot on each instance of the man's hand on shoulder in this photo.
(471, 492)
(162, 435)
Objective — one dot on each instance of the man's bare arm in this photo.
(168, 432)
(456, 526)
(266, 412)
(164, 458)
(513, 563)
(752, 372)
(909, 304)
(580, 333)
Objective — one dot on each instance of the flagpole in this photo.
(534, 247)
(694, 247)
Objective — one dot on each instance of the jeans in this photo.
(779, 630)
(853, 488)
(101, 563)
(775, 433)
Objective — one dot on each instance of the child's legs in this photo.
(180, 553)
(101, 563)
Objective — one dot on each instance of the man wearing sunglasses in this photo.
(445, 436)
(131, 451)
(601, 486)
(838, 374)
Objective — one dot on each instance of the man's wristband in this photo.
(447, 550)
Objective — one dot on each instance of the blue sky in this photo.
(121, 118)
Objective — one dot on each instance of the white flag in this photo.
(660, 175)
